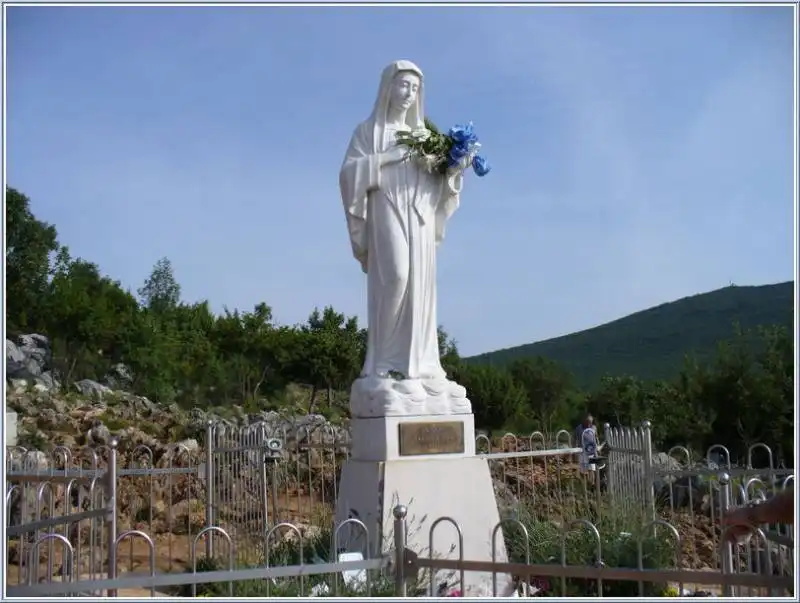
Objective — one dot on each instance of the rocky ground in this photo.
(87, 412)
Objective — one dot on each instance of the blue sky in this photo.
(640, 154)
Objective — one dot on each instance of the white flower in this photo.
(421, 135)
(429, 162)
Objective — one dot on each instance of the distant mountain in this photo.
(652, 344)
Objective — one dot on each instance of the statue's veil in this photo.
(415, 117)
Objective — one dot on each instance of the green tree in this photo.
(244, 342)
(152, 351)
(88, 317)
(332, 353)
(497, 400)
(30, 243)
(620, 401)
(681, 417)
(448, 351)
(547, 386)
(161, 292)
(197, 368)
(749, 387)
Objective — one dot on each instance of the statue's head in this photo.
(404, 89)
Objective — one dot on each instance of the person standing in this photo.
(586, 439)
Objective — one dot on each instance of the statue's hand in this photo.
(455, 181)
(396, 154)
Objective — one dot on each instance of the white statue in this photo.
(396, 215)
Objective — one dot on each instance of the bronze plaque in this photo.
(431, 438)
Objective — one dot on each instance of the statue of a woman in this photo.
(396, 215)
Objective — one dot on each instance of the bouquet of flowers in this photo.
(443, 153)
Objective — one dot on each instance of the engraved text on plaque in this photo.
(431, 438)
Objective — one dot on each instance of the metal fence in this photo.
(412, 574)
(110, 512)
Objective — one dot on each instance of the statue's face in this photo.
(404, 90)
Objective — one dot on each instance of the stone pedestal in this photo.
(379, 439)
(428, 464)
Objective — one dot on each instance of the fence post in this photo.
(400, 512)
(648, 469)
(263, 485)
(608, 438)
(209, 487)
(726, 563)
(609, 470)
(111, 476)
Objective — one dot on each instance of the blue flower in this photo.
(463, 135)
(480, 166)
(457, 153)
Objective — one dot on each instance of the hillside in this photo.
(652, 344)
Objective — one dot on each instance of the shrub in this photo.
(619, 537)
(286, 552)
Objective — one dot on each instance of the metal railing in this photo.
(101, 512)
(406, 567)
